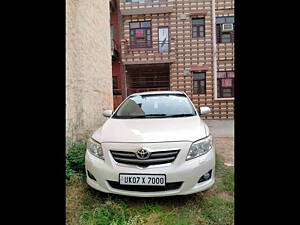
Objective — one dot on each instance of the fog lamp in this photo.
(205, 177)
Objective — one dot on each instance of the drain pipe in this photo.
(125, 78)
(214, 44)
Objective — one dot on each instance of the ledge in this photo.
(224, 99)
(148, 62)
(198, 13)
(153, 10)
(199, 68)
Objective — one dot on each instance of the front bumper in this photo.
(188, 172)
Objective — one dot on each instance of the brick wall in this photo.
(116, 65)
(186, 51)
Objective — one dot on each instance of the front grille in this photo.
(144, 188)
(155, 158)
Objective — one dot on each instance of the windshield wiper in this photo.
(148, 115)
(155, 115)
(181, 115)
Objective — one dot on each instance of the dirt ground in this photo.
(225, 148)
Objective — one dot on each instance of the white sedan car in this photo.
(154, 144)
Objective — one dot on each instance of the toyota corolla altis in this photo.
(154, 144)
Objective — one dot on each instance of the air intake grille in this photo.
(143, 188)
(155, 158)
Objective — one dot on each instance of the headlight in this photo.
(200, 147)
(95, 148)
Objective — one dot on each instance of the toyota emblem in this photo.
(142, 154)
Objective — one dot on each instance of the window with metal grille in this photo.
(199, 83)
(225, 80)
(140, 34)
(198, 27)
(224, 36)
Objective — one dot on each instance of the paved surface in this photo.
(224, 147)
(221, 128)
(223, 133)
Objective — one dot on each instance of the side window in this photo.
(199, 83)
(198, 27)
(225, 29)
(225, 88)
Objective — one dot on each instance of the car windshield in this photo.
(155, 106)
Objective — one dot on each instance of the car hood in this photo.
(152, 130)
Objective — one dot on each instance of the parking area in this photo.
(221, 128)
(223, 133)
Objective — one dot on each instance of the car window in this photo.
(162, 105)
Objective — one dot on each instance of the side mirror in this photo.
(107, 113)
(204, 110)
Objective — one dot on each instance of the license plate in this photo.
(142, 179)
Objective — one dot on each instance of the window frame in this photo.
(219, 85)
(219, 32)
(168, 41)
(198, 32)
(198, 81)
(134, 45)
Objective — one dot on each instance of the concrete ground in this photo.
(223, 136)
(221, 128)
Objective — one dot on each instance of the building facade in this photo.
(117, 66)
(180, 45)
(88, 66)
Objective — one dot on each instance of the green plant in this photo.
(69, 170)
(227, 175)
(106, 215)
(217, 211)
(148, 208)
(75, 157)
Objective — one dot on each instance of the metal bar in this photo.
(127, 154)
(161, 155)
(145, 161)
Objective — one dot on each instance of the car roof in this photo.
(157, 93)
